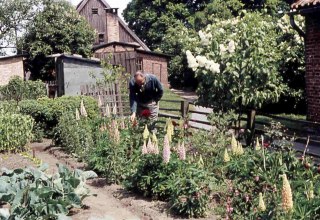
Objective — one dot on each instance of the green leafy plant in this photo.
(18, 89)
(33, 194)
(75, 136)
(15, 131)
(115, 159)
(48, 111)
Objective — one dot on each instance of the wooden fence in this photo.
(108, 95)
(301, 130)
(111, 95)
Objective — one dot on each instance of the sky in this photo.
(121, 4)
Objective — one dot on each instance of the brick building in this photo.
(311, 10)
(116, 43)
(11, 66)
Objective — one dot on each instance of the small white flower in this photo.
(192, 62)
(223, 49)
(231, 46)
(205, 39)
(201, 60)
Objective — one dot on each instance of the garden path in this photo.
(112, 202)
(191, 97)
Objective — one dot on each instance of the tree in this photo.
(237, 62)
(14, 16)
(58, 28)
(160, 24)
(151, 19)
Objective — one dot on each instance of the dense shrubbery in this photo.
(15, 131)
(18, 89)
(47, 112)
(75, 136)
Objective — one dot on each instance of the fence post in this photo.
(251, 125)
(184, 108)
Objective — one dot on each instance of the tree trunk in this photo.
(250, 126)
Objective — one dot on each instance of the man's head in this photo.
(139, 78)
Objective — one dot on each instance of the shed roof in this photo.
(12, 57)
(74, 57)
(84, 2)
(96, 47)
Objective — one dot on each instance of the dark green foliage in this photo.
(75, 136)
(115, 161)
(32, 194)
(17, 89)
(58, 28)
(38, 132)
(48, 111)
(186, 186)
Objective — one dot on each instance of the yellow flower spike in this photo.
(240, 149)
(310, 192)
(287, 203)
(83, 111)
(226, 157)
(146, 133)
(258, 147)
(201, 163)
(77, 115)
(154, 138)
(262, 206)
(169, 136)
(234, 145)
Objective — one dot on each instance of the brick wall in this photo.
(112, 27)
(312, 44)
(156, 65)
(9, 67)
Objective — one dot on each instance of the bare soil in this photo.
(112, 201)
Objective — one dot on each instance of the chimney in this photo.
(112, 25)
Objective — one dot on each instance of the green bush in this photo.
(187, 186)
(115, 161)
(9, 107)
(75, 136)
(18, 89)
(48, 111)
(15, 131)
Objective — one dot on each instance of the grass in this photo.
(169, 95)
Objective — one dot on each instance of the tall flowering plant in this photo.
(236, 62)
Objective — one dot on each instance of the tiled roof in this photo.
(298, 4)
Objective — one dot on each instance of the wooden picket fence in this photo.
(108, 94)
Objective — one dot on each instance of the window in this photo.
(94, 11)
(139, 63)
(101, 38)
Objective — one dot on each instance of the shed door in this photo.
(156, 70)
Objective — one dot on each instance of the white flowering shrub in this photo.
(236, 62)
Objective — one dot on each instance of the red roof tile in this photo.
(305, 3)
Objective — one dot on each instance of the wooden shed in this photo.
(115, 37)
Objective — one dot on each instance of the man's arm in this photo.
(159, 89)
(133, 98)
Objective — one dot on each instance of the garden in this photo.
(241, 62)
(197, 173)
